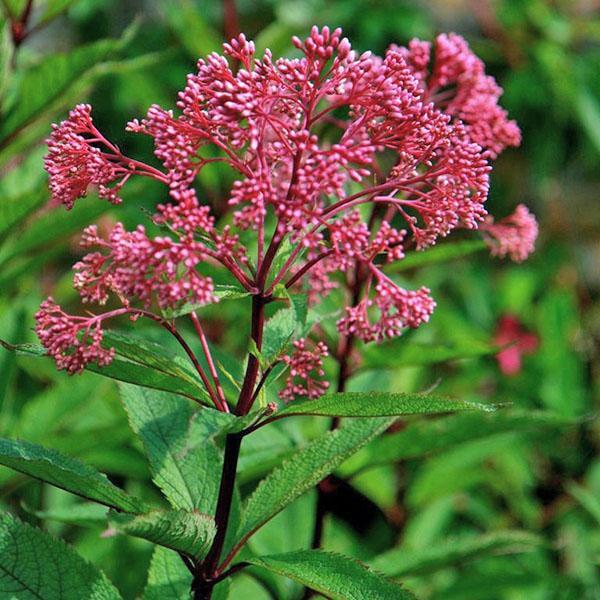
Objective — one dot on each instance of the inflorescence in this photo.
(315, 142)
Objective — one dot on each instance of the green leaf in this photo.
(44, 85)
(135, 363)
(66, 473)
(424, 437)
(405, 562)
(180, 530)
(283, 326)
(296, 522)
(54, 8)
(168, 578)
(35, 565)
(175, 370)
(588, 111)
(376, 404)
(222, 292)
(333, 575)
(85, 514)
(305, 469)
(437, 254)
(397, 353)
(184, 461)
(13, 209)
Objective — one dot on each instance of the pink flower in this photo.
(455, 80)
(74, 164)
(315, 144)
(133, 266)
(72, 341)
(397, 309)
(519, 342)
(304, 365)
(514, 236)
(79, 156)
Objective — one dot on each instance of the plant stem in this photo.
(207, 571)
(209, 361)
(204, 584)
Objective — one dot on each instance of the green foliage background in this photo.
(508, 509)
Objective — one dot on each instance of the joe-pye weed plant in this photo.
(345, 164)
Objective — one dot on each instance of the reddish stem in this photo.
(209, 361)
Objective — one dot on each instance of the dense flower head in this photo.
(454, 79)
(395, 308)
(514, 236)
(134, 266)
(73, 342)
(343, 162)
(74, 164)
(305, 365)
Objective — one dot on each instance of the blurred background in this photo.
(542, 478)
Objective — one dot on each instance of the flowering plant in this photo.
(345, 164)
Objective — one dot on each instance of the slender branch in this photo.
(258, 321)
(208, 569)
(232, 451)
(230, 18)
(209, 361)
(170, 327)
(309, 265)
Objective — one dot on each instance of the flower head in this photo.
(342, 163)
(454, 78)
(305, 365)
(396, 309)
(514, 236)
(72, 341)
(136, 267)
(74, 164)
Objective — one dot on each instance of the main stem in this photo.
(207, 571)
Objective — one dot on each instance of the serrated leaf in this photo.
(305, 469)
(168, 578)
(66, 473)
(427, 437)
(35, 565)
(180, 530)
(174, 369)
(121, 368)
(333, 575)
(377, 404)
(407, 562)
(283, 326)
(179, 443)
(437, 254)
(298, 522)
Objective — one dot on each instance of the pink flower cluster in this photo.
(72, 341)
(135, 267)
(305, 364)
(455, 80)
(309, 139)
(513, 236)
